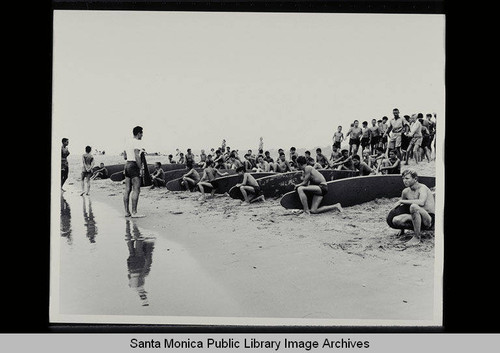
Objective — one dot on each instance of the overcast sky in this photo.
(192, 79)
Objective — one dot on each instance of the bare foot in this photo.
(127, 215)
(339, 207)
(136, 215)
(413, 241)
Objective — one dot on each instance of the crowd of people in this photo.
(384, 146)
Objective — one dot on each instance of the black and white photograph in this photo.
(239, 168)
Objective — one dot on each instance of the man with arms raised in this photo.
(420, 201)
(314, 183)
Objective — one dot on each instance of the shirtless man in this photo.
(344, 162)
(391, 165)
(282, 166)
(158, 176)
(396, 126)
(421, 204)
(249, 187)
(203, 158)
(361, 166)
(355, 137)
(314, 183)
(365, 136)
(338, 137)
(64, 162)
(234, 163)
(382, 124)
(321, 159)
(262, 165)
(189, 157)
(191, 178)
(335, 154)
(375, 136)
(209, 174)
(415, 137)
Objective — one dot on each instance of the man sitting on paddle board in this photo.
(420, 200)
(191, 178)
(249, 186)
(314, 183)
(209, 174)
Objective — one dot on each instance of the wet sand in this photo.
(222, 259)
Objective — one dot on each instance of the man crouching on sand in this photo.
(421, 201)
(249, 187)
(314, 183)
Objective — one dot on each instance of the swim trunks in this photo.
(365, 141)
(336, 144)
(395, 140)
(257, 191)
(132, 170)
(86, 174)
(324, 189)
(375, 140)
(354, 141)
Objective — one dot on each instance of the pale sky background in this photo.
(192, 79)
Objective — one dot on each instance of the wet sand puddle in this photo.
(109, 265)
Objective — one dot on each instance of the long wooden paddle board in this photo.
(224, 184)
(279, 184)
(146, 176)
(175, 184)
(120, 176)
(357, 190)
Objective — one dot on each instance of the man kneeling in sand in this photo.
(249, 187)
(314, 183)
(421, 201)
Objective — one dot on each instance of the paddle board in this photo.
(404, 209)
(357, 190)
(279, 184)
(175, 184)
(146, 176)
(225, 183)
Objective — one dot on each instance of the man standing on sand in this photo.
(421, 204)
(314, 183)
(355, 137)
(396, 126)
(64, 162)
(132, 154)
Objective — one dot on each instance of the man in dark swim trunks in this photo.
(355, 137)
(421, 204)
(249, 187)
(64, 162)
(132, 155)
(314, 183)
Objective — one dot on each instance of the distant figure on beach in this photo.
(191, 178)
(158, 176)
(171, 159)
(132, 154)
(249, 187)
(394, 131)
(336, 154)
(87, 166)
(421, 206)
(203, 158)
(321, 159)
(425, 147)
(293, 152)
(314, 183)
(383, 126)
(100, 172)
(374, 136)
(354, 134)
(406, 153)
(391, 165)
(344, 162)
(182, 159)
(366, 136)
(233, 162)
(361, 166)
(415, 136)
(338, 137)
(64, 162)
(282, 165)
(262, 165)
(209, 174)
(261, 143)
(189, 157)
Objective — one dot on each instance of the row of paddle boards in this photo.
(344, 187)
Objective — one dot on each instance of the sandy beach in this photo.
(262, 261)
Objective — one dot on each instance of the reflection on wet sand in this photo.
(88, 220)
(65, 220)
(139, 260)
